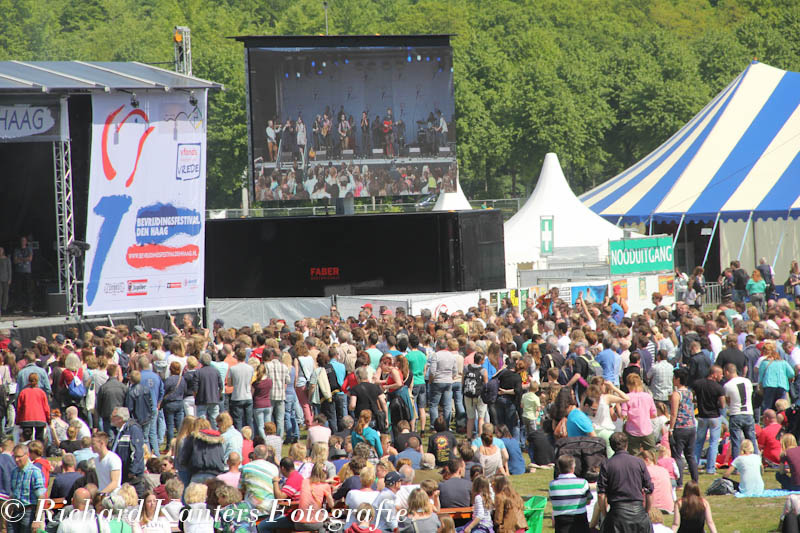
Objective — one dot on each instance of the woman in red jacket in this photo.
(33, 411)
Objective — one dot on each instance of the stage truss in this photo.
(65, 223)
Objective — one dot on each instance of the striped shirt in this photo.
(256, 483)
(569, 495)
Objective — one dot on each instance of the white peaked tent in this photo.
(574, 224)
(452, 201)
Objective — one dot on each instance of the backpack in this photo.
(595, 368)
(76, 388)
(473, 382)
(720, 487)
(124, 360)
(332, 379)
(491, 390)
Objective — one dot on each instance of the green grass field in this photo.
(731, 514)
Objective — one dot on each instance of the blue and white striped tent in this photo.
(738, 158)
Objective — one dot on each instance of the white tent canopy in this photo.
(452, 201)
(574, 225)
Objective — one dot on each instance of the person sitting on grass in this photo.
(748, 464)
(692, 511)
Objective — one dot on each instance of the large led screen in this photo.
(338, 117)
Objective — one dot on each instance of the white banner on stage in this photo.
(146, 213)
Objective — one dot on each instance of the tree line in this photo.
(599, 82)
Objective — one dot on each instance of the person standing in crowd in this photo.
(569, 496)
(625, 488)
(27, 486)
(6, 276)
(756, 291)
(209, 389)
(240, 377)
(108, 465)
(23, 274)
(739, 398)
(155, 386)
(128, 445)
(442, 369)
(710, 401)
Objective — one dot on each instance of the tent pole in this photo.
(619, 220)
(651, 225)
(744, 237)
(710, 240)
(680, 225)
(783, 233)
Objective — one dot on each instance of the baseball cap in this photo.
(60, 338)
(386, 312)
(392, 478)
(366, 306)
(219, 322)
(138, 329)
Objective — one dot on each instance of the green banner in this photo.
(648, 254)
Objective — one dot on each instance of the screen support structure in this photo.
(65, 225)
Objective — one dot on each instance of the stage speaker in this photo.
(320, 154)
(56, 303)
(376, 152)
(413, 150)
(444, 149)
(347, 154)
(286, 156)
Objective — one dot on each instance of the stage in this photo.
(27, 327)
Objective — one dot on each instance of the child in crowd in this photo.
(365, 515)
(481, 507)
(669, 464)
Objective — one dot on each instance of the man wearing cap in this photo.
(128, 446)
(384, 504)
(367, 308)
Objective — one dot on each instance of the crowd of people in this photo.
(351, 180)
(195, 419)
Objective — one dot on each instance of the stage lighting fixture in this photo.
(324, 64)
(134, 101)
(313, 63)
(427, 58)
(319, 73)
(298, 74)
(286, 75)
(192, 99)
(419, 58)
(346, 61)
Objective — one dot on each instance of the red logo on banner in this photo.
(108, 168)
(161, 257)
(324, 273)
(137, 287)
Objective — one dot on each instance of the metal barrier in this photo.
(509, 206)
(713, 294)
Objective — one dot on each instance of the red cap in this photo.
(367, 305)
(386, 312)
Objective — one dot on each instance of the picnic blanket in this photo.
(769, 493)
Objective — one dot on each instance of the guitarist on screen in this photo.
(388, 133)
(326, 133)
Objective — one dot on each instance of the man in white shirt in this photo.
(83, 518)
(406, 487)
(739, 397)
(563, 339)
(108, 465)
